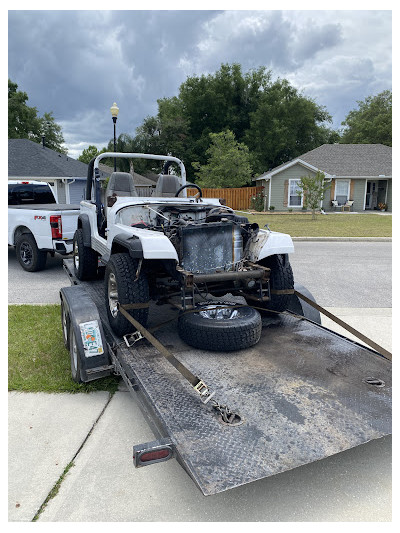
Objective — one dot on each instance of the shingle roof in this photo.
(349, 159)
(29, 159)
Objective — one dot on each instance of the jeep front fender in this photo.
(145, 244)
(268, 243)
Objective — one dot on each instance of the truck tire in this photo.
(28, 254)
(75, 356)
(85, 259)
(121, 286)
(281, 279)
(208, 329)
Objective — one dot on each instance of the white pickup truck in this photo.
(37, 224)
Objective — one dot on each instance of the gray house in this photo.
(65, 175)
(361, 173)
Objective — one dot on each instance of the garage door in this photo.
(77, 191)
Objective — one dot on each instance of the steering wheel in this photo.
(197, 195)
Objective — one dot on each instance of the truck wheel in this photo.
(121, 286)
(211, 327)
(28, 254)
(281, 279)
(85, 259)
(65, 324)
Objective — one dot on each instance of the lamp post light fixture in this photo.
(114, 113)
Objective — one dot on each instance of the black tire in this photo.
(29, 256)
(223, 334)
(120, 285)
(75, 356)
(281, 278)
(85, 259)
(65, 325)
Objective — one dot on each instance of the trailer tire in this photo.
(281, 278)
(65, 324)
(121, 286)
(85, 259)
(75, 355)
(28, 254)
(199, 330)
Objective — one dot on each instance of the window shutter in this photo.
(285, 193)
(351, 190)
(333, 190)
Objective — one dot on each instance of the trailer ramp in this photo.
(304, 393)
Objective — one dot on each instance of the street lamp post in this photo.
(114, 113)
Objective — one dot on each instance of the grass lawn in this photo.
(331, 225)
(37, 358)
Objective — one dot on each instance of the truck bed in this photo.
(300, 391)
(47, 207)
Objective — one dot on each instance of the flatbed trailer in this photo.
(303, 393)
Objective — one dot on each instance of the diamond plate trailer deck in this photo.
(301, 392)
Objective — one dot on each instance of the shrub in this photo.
(271, 207)
(257, 202)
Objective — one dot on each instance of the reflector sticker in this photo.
(91, 338)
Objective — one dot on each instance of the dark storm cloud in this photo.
(77, 63)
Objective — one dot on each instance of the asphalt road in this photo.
(338, 274)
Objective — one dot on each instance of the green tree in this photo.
(52, 133)
(313, 189)
(88, 154)
(227, 162)
(285, 125)
(371, 122)
(23, 122)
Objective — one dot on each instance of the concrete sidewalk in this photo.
(91, 436)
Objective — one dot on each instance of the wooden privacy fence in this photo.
(239, 198)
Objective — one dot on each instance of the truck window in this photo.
(21, 194)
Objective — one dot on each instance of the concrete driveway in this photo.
(84, 441)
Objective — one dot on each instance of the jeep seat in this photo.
(167, 186)
(121, 184)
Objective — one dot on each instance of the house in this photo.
(358, 172)
(65, 175)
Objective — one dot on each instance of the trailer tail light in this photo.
(56, 226)
(152, 452)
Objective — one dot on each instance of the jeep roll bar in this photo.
(93, 168)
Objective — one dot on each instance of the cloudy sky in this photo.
(77, 63)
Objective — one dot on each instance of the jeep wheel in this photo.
(85, 259)
(281, 279)
(28, 254)
(121, 287)
(214, 327)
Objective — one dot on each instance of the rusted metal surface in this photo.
(303, 393)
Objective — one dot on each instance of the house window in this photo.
(295, 200)
(342, 191)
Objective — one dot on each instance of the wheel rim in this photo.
(112, 295)
(219, 312)
(76, 255)
(26, 253)
(74, 352)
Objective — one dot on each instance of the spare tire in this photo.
(220, 326)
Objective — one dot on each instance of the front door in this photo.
(371, 198)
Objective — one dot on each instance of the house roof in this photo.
(31, 160)
(345, 160)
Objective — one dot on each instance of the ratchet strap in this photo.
(196, 382)
(340, 322)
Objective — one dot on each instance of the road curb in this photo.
(343, 239)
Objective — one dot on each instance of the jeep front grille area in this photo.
(207, 248)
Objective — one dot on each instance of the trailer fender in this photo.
(269, 243)
(84, 223)
(82, 315)
(300, 307)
